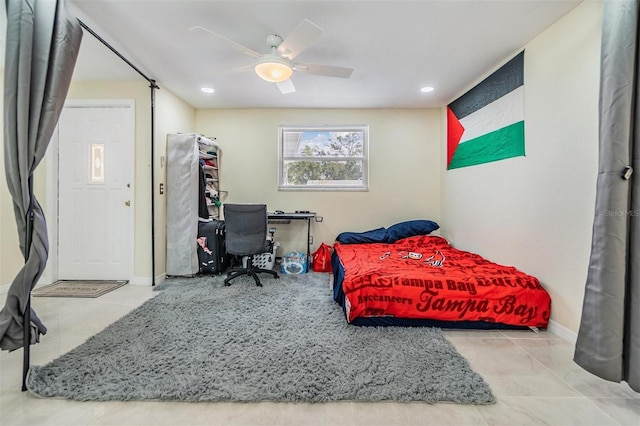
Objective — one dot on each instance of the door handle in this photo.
(127, 203)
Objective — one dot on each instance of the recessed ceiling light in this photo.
(426, 89)
(207, 90)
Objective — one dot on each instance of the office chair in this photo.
(246, 235)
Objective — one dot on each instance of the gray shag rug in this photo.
(287, 341)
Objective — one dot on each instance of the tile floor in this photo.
(532, 376)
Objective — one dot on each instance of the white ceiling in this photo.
(395, 47)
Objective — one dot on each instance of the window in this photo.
(323, 158)
(97, 163)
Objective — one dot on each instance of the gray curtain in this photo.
(608, 342)
(42, 44)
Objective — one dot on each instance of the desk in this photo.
(287, 217)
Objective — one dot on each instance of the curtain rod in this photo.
(103, 41)
(153, 86)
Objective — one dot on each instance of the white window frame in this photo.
(363, 186)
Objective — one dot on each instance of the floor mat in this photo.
(87, 288)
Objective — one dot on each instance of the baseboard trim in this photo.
(147, 280)
(562, 332)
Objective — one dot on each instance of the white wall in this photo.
(137, 90)
(536, 212)
(404, 165)
(172, 115)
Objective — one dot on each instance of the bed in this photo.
(404, 276)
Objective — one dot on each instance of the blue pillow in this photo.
(411, 228)
(374, 236)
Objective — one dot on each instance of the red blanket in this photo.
(424, 277)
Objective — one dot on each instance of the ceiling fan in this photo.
(277, 66)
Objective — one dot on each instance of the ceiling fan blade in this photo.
(238, 69)
(237, 46)
(325, 70)
(286, 87)
(302, 36)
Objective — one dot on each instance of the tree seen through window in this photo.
(321, 158)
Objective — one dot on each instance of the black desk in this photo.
(286, 217)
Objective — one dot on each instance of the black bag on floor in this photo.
(212, 255)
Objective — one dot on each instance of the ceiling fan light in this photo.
(274, 70)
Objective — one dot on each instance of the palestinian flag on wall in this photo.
(487, 123)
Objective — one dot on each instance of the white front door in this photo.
(95, 204)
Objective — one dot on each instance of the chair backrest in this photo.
(246, 228)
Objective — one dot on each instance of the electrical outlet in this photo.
(310, 240)
(161, 188)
